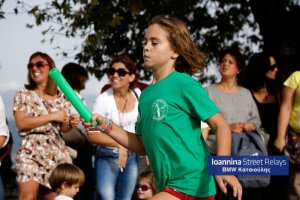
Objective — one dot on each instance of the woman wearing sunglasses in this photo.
(260, 79)
(41, 112)
(116, 167)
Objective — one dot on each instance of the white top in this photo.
(3, 126)
(106, 106)
(62, 197)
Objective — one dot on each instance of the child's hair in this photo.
(66, 173)
(148, 175)
(191, 59)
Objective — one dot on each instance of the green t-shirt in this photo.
(170, 112)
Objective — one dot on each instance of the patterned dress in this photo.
(42, 149)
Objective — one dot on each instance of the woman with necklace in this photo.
(116, 167)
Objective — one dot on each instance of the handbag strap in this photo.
(135, 94)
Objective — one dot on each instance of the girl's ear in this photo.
(175, 55)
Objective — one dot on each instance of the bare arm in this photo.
(2, 140)
(288, 97)
(223, 135)
(220, 127)
(126, 139)
(102, 139)
(24, 123)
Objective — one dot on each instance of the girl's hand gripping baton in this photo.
(71, 95)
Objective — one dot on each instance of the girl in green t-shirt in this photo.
(170, 111)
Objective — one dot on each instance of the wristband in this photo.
(109, 127)
(106, 126)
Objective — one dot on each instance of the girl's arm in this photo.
(126, 139)
(223, 135)
(220, 127)
(99, 138)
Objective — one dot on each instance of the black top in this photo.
(268, 113)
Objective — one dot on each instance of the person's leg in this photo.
(2, 195)
(127, 179)
(28, 190)
(106, 176)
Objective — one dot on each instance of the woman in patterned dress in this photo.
(41, 112)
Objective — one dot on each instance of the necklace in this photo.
(121, 113)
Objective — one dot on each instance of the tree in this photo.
(1, 12)
(278, 21)
(116, 27)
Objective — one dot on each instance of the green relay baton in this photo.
(71, 95)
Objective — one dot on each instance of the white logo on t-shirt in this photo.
(159, 109)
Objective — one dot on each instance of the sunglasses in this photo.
(143, 187)
(38, 64)
(121, 72)
(272, 67)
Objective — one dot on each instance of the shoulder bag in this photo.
(250, 144)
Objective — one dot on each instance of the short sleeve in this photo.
(20, 100)
(198, 102)
(293, 80)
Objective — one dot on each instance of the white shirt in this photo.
(62, 197)
(106, 106)
(3, 126)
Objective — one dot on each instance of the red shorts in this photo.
(182, 196)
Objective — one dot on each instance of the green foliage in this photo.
(114, 27)
(1, 12)
(2, 15)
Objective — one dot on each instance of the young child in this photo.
(170, 111)
(146, 186)
(65, 180)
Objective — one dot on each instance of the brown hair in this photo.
(75, 75)
(51, 88)
(148, 175)
(66, 173)
(234, 51)
(191, 60)
(129, 64)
